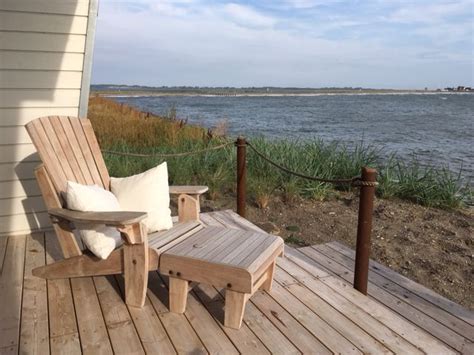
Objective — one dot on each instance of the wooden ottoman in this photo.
(238, 260)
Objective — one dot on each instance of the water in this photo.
(437, 128)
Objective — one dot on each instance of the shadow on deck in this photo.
(312, 308)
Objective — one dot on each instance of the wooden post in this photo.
(241, 175)
(364, 230)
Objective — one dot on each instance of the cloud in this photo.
(431, 13)
(304, 4)
(203, 42)
(246, 16)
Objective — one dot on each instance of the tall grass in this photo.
(118, 124)
(125, 129)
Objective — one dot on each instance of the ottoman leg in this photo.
(178, 295)
(234, 308)
(267, 285)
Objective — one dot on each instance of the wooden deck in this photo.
(311, 309)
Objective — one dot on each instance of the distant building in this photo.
(459, 89)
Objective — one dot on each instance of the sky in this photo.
(288, 43)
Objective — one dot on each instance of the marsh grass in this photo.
(122, 128)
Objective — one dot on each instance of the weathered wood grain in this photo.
(34, 336)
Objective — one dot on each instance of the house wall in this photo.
(45, 64)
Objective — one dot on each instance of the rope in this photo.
(355, 181)
(167, 155)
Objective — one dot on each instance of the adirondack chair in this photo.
(69, 150)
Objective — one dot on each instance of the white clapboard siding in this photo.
(67, 7)
(39, 98)
(23, 223)
(16, 171)
(13, 206)
(11, 153)
(19, 60)
(45, 46)
(14, 135)
(50, 42)
(17, 188)
(21, 79)
(21, 116)
(31, 22)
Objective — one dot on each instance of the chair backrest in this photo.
(69, 150)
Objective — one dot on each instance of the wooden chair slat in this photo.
(67, 240)
(56, 149)
(84, 146)
(76, 150)
(46, 153)
(67, 149)
(96, 153)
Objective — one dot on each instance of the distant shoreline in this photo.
(158, 94)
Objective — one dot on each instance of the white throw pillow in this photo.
(98, 238)
(146, 192)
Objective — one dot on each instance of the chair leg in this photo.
(178, 295)
(234, 308)
(136, 273)
(267, 285)
(188, 208)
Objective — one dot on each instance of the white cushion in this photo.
(146, 192)
(98, 238)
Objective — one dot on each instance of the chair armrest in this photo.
(188, 201)
(188, 190)
(118, 218)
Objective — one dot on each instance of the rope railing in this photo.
(167, 155)
(355, 181)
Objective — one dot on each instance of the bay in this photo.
(437, 129)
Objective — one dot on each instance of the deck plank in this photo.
(205, 326)
(3, 249)
(229, 218)
(151, 331)
(387, 318)
(303, 339)
(34, 337)
(11, 288)
(223, 219)
(208, 220)
(240, 221)
(181, 333)
(270, 335)
(63, 333)
(9, 350)
(422, 313)
(422, 291)
(377, 293)
(122, 332)
(332, 327)
(214, 339)
(244, 339)
(311, 308)
(365, 320)
(91, 324)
